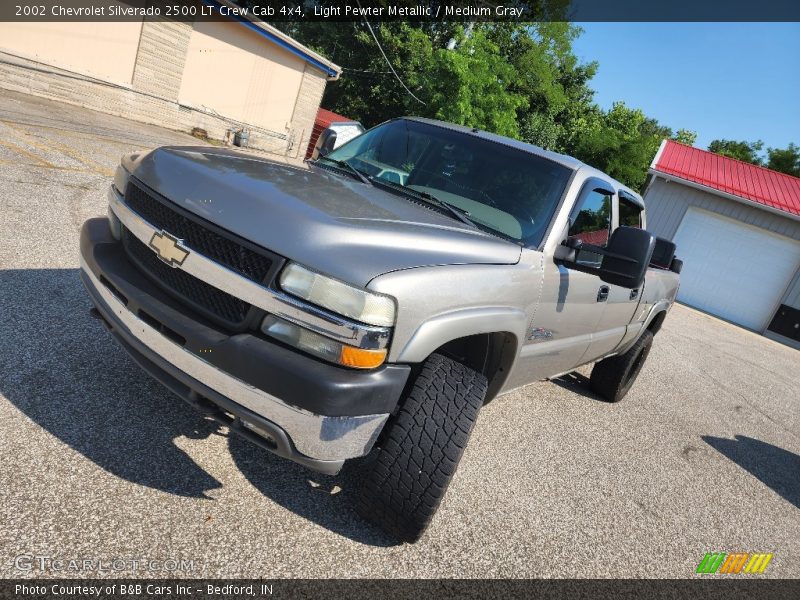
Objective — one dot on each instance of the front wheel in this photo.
(407, 474)
(613, 377)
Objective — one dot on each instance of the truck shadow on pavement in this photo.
(323, 499)
(775, 467)
(66, 373)
(578, 384)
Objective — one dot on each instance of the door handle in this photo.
(602, 293)
(634, 293)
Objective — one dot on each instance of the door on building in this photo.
(733, 270)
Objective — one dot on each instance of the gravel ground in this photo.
(101, 463)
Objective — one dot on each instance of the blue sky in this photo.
(723, 80)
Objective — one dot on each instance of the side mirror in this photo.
(628, 255)
(663, 253)
(624, 259)
(325, 143)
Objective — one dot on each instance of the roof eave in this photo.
(332, 71)
(726, 195)
(660, 151)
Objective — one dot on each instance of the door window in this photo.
(630, 215)
(592, 225)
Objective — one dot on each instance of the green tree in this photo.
(684, 136)
(472, 86)
(786, 160)
(558, 100)
(745, 151)
(514, 79)
(623, 142)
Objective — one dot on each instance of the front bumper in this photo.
(295, 406)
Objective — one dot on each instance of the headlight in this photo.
(343, 299)
(320, 346)
(121, 177)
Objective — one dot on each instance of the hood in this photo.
(331, 223)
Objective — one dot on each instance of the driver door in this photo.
(572, 304)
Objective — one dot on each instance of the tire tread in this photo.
(608, 376)
(422, 446)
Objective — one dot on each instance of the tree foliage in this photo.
(744, 151)
(473, 86)
(785, 160)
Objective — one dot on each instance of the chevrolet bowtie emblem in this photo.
(168, 248)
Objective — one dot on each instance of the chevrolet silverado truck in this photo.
(370, 302)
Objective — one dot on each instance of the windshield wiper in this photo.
(349, 168)
(454, 210)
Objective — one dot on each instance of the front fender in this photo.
(439, 304)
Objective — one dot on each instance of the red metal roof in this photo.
(324, 120)
(597, 238)
(757, 184)
(326, 117)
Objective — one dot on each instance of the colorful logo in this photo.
(737, 562)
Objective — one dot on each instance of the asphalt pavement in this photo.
(101, 464)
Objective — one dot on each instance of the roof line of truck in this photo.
(561, 159)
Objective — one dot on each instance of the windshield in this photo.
(502, 189)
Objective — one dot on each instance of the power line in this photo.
(386, 58)
(364, 71)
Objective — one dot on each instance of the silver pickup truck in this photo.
(369, 302)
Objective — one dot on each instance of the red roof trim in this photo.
(758, 184)
(327, 117)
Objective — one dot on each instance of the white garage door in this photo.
(733, 270)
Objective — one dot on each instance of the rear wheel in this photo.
(613, 377)
(407, 474)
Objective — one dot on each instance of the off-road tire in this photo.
(407, 474)
(613, 377)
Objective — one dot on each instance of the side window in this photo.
(592, 224)
(593, 221)
(630, 215)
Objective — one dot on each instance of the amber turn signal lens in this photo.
(362, 359)
(321, 346)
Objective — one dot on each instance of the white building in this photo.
(737, 228)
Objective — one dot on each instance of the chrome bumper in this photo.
(318, 437)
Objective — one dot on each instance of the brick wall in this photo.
(160, 59)
(305, 109)
(152, 96)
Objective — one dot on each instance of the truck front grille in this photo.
(201, 296)
(198, 234)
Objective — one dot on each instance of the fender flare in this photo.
(439, 330)
(658, 307)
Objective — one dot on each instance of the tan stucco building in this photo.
(214, 75)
